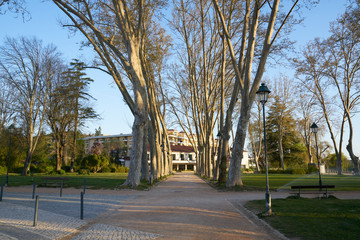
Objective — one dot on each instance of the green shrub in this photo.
(106, 169)
(312, 168)
(59, 172)
(84, 171)
(45, 169)
(118, 169)
(2, 170)
(298, 171)
(94, 162)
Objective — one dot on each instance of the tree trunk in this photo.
(144, 159)
(138, 128)
(234, 176)
(281, 152)
(349, 147)
(58, 154)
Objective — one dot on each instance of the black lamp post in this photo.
(11, 130)
(314, 129)
(263, 94)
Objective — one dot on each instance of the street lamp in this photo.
(263, 94)
(11, 131)
(314, 129)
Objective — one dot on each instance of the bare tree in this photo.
(306, 105)
(7, 102)
(14, 6)
(199, 78)
(29, 67)
(256, 134)
(334, 64)
(118, 31)
(247, 61)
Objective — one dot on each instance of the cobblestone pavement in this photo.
(59, 217)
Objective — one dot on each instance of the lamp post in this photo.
(11, 130)
(314, 129)
(263, 94)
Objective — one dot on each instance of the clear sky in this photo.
(116, 117)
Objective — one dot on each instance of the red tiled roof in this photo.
(180, 148)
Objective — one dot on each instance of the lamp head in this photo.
(263, 93)
(314, 128)
(11, 128)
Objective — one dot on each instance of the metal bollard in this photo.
(2, 191)
(36, 210)
(34, 186)
(61, 187)
(81, 205)
(84, 185)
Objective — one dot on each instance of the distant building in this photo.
(183, 154)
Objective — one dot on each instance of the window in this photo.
(182, 156)
(190, 157)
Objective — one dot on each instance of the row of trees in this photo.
(39, 93)
(222, 48)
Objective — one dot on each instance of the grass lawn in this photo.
(93, 181)
(312, 218)
(284, 181)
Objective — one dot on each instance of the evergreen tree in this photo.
(285, 148)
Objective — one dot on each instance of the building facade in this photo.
(183, 154)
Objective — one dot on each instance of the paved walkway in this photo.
(182, 207)
(185, 207)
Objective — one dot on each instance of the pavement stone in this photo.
(59, 218)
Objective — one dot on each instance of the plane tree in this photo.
(119, 31)
(262, 24)
(329, 69)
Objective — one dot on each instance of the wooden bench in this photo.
(321, 189)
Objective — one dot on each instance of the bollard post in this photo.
(2, 191)
(36, 210)
(81, 205)
(84, 185)
(34, 186)
(61, 187)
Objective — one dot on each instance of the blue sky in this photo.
(116, 117)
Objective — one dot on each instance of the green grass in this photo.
(93, 181)
(312, 218)
(284, 181)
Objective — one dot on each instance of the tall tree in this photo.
(285, 146)
(118, 32)
(77, 91)
(256, 135)
(332, 65)
(197, 79)
(248, 63)
(282, 110)
(67, 107)
(29, 67)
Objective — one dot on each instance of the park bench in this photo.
(53, 181)
(321, 189)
